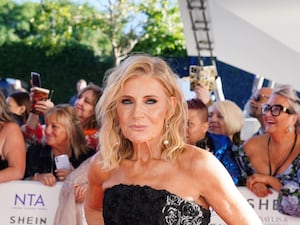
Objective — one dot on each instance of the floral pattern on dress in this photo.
(289, 195)
(181, 212)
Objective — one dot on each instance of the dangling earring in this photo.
(166, 141)
(290, 128)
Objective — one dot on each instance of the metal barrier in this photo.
(30, 202)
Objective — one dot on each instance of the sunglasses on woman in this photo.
(258, 97)
(275, 109)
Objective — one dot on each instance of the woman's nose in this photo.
(79, 101)
(138, 110)
(212, 118)
(47, 129)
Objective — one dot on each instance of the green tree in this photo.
(15, 21)
(151, 26)
(58, 22)
(58, 39)
(52, 24)
(121, 19)
(163, 29)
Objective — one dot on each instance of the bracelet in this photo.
(36, 175)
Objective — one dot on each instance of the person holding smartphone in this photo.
(202, 82)
(63, 136)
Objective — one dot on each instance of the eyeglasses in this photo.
(258, 97)
(275, 109)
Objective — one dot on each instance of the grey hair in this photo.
(287, 91)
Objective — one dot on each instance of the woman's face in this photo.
(13, 106)
(56, 134)
(216, 122)
(283, 121)
(142, 110)
(84, 105)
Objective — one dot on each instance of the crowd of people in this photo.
(139, 152)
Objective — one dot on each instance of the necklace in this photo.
(283, 161)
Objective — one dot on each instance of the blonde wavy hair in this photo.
(114, 146)
(67, 116)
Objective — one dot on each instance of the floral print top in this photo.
(143, 205)
(289, 196)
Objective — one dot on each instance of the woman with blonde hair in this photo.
(63, 136)
(144, 172)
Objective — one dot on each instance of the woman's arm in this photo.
(223, 196)
(94, 195)
(45, 178)
(260, 184)
(32, 130)
(14, 152)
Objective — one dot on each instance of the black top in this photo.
(18, 119)
(3, 163)
(40, 159)
(143, 205)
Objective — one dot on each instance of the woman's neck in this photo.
(282, 139)
(146, 152)
(61, 150)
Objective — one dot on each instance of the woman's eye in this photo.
(88, 101)
(151, 101)
(126, 101)
(220, 117)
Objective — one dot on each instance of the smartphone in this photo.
(204, 75)
(62, 162)
(36, 79)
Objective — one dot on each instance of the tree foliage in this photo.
(15, 25)
(65, 41)
(151, 26)
(163, 30)
(122, 22)
(114, 28)
(51, 24)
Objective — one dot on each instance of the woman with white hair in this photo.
(226, 119)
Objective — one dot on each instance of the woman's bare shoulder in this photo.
(255, 143)
(194, 151)
(96, 169)
(10, 129)
(200, 163)
(10, 126)
(195, 158)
